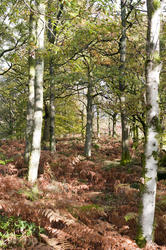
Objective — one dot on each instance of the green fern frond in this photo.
(130, 216)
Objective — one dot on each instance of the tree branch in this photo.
(4, 72)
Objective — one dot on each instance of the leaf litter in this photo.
(81, 203)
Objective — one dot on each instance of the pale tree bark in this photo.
(88, 136)
(31, 83)
(153, 68)
(38, 113)
(125, 157)
(98, 121)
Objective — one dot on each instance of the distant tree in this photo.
(67, 118)
(89, 120)
(52, 31)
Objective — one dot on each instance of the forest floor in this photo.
(80, 203)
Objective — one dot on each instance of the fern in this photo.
(58, 243)
(131, 216)
(56, 217)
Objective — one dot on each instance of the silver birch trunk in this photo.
(88, 136)
(153, 68)
(31, 83)
(36, 140)
(124, 124)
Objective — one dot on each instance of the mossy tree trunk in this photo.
(153, 67)
(31, 83)
(38, 112)
(125, 157)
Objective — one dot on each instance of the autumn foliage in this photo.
(81, 203)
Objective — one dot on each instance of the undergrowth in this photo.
(77, 203)
(16, 232)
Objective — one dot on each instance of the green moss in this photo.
(156, 4)
(155, 155)
(146, 179)
(140, 240)
(31, 194)
(143, 160)
(125, 158)
(96, 146)
(90, 207)
(157, 58)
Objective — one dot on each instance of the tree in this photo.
(51, 38)
(31, 84)
(153, 67)
(124, 120)
(89, 108)
(13, 33)
(38, 105)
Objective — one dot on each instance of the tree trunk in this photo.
(52, 108)
(51, 37)
(98, 122)
(31, 84)
(36, 140)
(46, 129)
(153, 67)
(114, 124)
(125, 157)
(88, 136)
(82, 123)
(135, 135)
